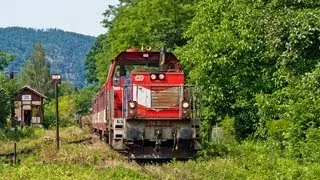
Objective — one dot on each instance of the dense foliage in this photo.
(91, 60)
(256, 60)
(67, 112)
(64, 50)
(5, 58)
(7, 91)
(244, 48)
(72, 104)
(290, 116)
(84, 98)
(137, 23)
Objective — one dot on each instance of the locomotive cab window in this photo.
(119, 73)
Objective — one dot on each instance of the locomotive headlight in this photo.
(161, 76)
(185, 105)
(153, 76)
(132, 105)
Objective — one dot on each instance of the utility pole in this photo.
(56, 78)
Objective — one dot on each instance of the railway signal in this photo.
(56, 79)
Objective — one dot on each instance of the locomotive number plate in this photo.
(158, 123)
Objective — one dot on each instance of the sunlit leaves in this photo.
(297, 105)
(134, 23)
(8, 89)
(239, 49)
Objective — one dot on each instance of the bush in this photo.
(67, 111)
(7, 91)
(291, 116)
(19, 134)
(223, 145)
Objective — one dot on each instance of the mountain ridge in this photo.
(65, 50)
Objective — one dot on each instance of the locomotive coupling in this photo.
(158, 133)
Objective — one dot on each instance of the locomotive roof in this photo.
(137, 58)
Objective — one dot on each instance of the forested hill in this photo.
(65, 50)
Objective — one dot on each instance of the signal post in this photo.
(56, 79)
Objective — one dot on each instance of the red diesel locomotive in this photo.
(145, 109)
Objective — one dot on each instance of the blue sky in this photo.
(81, 16)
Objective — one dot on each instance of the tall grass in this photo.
(89, 160)
(227, 159)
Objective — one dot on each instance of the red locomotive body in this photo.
(145, 108)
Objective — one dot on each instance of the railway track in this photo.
(8, 157)
(142, 168)
(138, 164)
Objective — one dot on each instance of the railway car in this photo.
(145, 109)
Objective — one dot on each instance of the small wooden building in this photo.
(29, 107)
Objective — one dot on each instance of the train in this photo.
(145, 109)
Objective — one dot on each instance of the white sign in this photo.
(26, 97)
(56, 76)
(142, 95)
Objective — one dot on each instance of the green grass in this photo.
(253, 160)
(95, 160)
(36, 170)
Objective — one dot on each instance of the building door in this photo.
(27, 117)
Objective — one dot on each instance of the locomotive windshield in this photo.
(128, 62)
(122, 70)
(147, 65)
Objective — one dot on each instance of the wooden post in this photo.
(15, 153)
(80, 121)
(42, 112)
(57, 115)
(56, 79)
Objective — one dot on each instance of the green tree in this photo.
(8, 90)
(36, 72)
(235, 49)
(5, 58)
(239, 48)
(135, 23)
(71, 102)
(91, 60)
(67, 111)
(84, 98)
(290, 116)
(66, 88)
